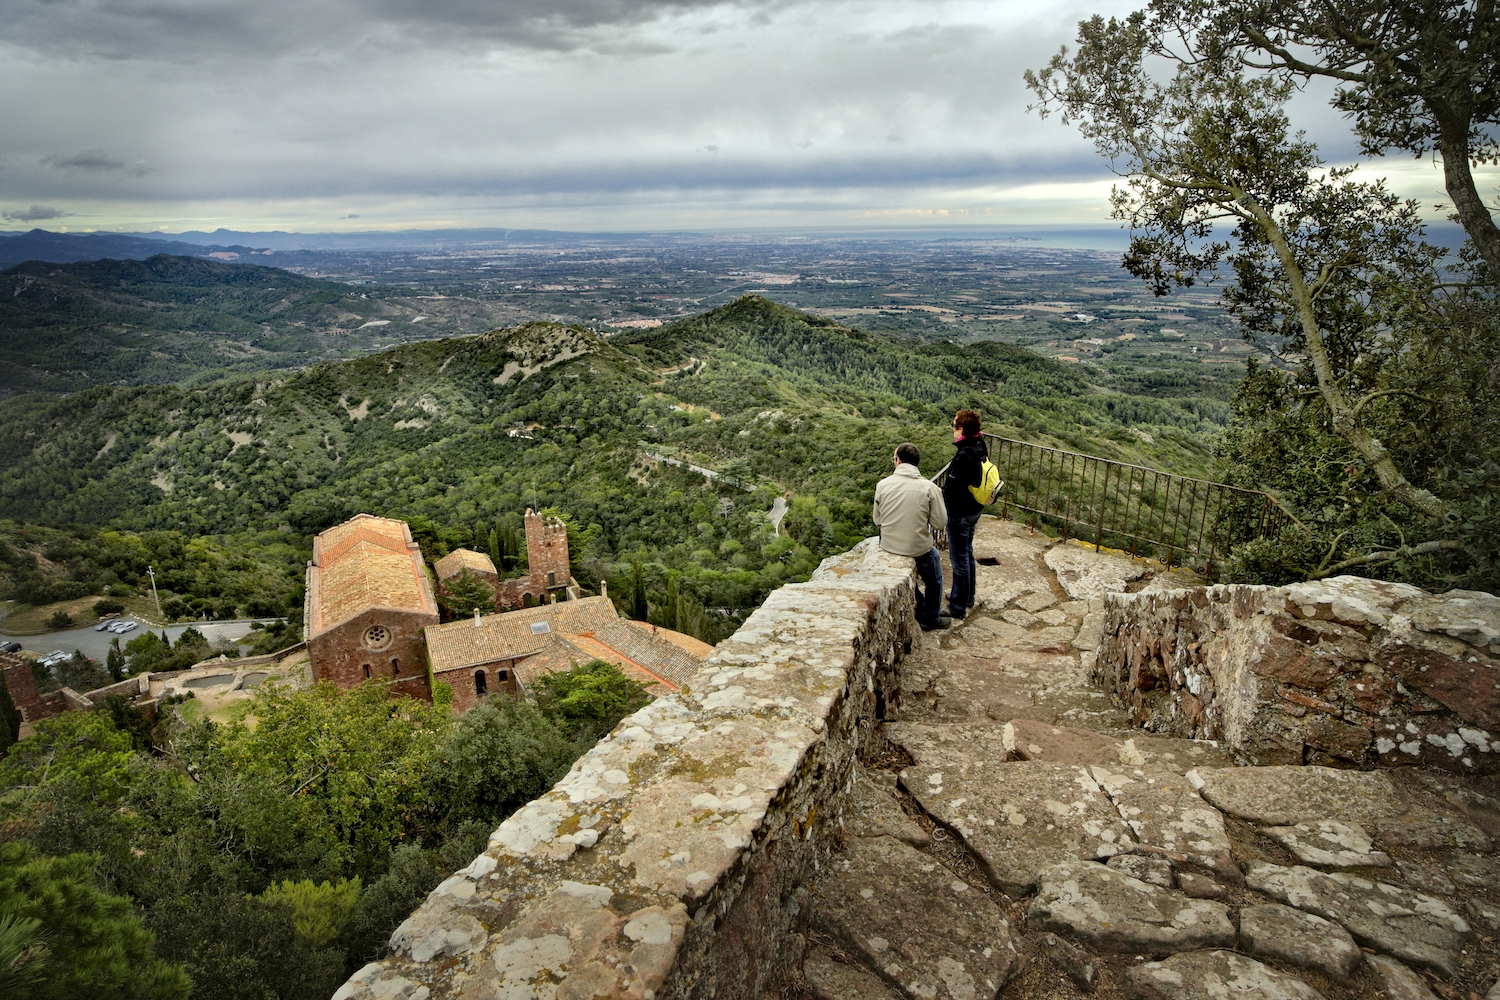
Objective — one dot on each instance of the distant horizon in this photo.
(1063, 236)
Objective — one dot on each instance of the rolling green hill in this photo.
(459, 436)
(65, 327)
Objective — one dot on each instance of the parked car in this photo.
(10, 647)
(128, 627)
(101, 626)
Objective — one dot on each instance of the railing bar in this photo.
(1123, 465)
(1103, 499)
(1136, 527)
(1176, 517)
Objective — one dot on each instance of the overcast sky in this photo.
(325, 115)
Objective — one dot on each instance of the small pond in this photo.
(213, 680)
(253, 679)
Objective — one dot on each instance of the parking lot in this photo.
(96, 644)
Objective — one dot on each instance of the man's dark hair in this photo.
(967, 421)
(908, 454)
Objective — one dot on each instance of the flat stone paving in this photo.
(1017, 811)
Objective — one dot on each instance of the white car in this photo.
(128, 627)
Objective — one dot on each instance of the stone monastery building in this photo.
(368, 600)
(371, 613)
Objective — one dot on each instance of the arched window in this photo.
(481, 688)
(395, 667)
(367, 671)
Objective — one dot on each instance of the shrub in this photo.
(107, 606)
(59, 619)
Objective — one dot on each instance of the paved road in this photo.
(96, 644)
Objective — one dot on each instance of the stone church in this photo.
(371, 613)
(368, 600)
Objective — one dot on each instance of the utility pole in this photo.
(154, 594)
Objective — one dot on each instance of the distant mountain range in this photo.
(38, 244)
(67, 248)
(68, 326)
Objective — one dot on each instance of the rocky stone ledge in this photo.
(1339, 671)
(672, 860)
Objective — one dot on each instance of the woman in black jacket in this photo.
(963, 510)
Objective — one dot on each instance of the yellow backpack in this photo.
(990, 484)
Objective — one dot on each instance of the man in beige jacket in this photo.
(907, 509)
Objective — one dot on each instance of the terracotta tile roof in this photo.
(363, 563)
(459, 560)
(460, 644)
(657, 651)
(565, 652)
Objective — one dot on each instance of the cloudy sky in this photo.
(564, 114)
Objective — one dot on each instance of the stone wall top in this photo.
(667, 862)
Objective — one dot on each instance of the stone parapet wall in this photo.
(1339, 671)
(672, 861)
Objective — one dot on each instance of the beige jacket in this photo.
(906, 507)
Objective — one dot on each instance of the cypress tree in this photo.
(10, 719)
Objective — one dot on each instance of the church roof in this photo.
(455, 562)
(364, 563)
(513, 634)
(575, 632)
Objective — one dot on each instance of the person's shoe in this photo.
(943, 622)
(957, 615)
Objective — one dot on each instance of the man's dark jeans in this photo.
(930, 600)
(961, 558)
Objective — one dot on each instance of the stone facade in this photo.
(379, 643)
(368, 600)
(23, 692)
(602, 888)
(1346, 670)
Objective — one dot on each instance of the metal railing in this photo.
(1151, 513)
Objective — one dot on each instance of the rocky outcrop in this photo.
(1346, 670)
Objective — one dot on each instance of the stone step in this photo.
(873, 811)
(1397, 812)
(1215, 975)
(1018, 817)
(1410, 925)
(1303, 939)
(830, 979)
(913, 922)
(1108, 910)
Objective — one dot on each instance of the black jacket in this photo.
(963, 472)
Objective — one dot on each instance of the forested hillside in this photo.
(65, 327)
(459, 436)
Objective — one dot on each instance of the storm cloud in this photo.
(36, 213)
(576, 114)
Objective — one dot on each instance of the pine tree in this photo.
(115, 661)
(465, 593)
(494, 548)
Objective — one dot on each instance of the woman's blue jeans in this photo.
(961, 558)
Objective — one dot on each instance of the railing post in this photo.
(1103, 500)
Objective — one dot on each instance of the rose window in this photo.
(377, 637)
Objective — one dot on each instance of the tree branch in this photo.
(1391, 555)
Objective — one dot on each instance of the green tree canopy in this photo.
(84, 943)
